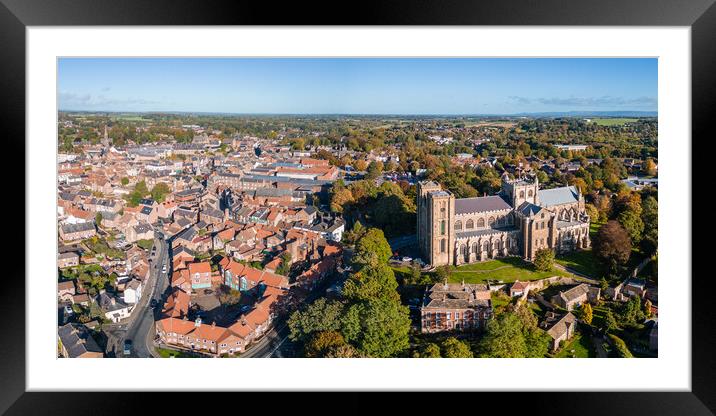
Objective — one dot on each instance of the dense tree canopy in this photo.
(612, 245)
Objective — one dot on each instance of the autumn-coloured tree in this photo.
(587, 314)
(612, 245)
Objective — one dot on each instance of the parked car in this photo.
(164, 268)
(407, 259)
(127, 347)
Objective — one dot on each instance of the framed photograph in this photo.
(336, 205)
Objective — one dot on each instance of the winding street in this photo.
(141, 328)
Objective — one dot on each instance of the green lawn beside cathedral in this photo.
(506, 270)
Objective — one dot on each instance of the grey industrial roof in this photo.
(558, 196)
(481, 204)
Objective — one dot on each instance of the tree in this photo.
(632, 223)
(373, 242)
(431, 350)
(454, 348)
(650, 218)
(323, 343)
(160, 191)
(285, 267)
(341, 198)
(360, 165)
(592, 211)
(612, 245)
(322, 315)
(504, 338)
(229, 296)
(298, 144)
(620, 347)
(647, 308)
(587, 314)
(124, 181)
(443, 273)
(141, 188)
(377, 328)
(631, 311)
(610, 323)
(374, 280)
(375, 169)
(649, 167)
(342, 351)
(544, 259)
(98, 219)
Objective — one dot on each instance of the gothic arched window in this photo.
(522, 194)
(491, 221)
(480, 223)
(475, 248)
(458, 225)
(470, 224)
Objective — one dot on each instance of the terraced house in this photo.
(519, 220)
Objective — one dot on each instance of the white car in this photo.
(164, 268)
(407, 259)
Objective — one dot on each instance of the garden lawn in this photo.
(506, 270)
(582, 346)
(167, 353)
(581, 261)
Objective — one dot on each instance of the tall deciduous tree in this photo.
(373, 242)
(322, 315)
(650, 218)
(544, 259)
(377, 328)
(632, 223)
(454, 348)
(612, 245)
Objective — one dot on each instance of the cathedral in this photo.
(519, 220)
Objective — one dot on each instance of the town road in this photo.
(141, 329)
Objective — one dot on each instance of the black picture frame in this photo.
(16, 15)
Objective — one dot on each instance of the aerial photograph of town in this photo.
(357, 207)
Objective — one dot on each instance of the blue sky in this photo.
(358, 85)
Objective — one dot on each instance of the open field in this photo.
(613, 121)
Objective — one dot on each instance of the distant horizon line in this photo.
(647, 113)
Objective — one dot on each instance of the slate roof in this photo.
(560, 328)
(481, 204)
(557, 196)
(77, 341)
(73, 228)
(528, 209)
(456, 295)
